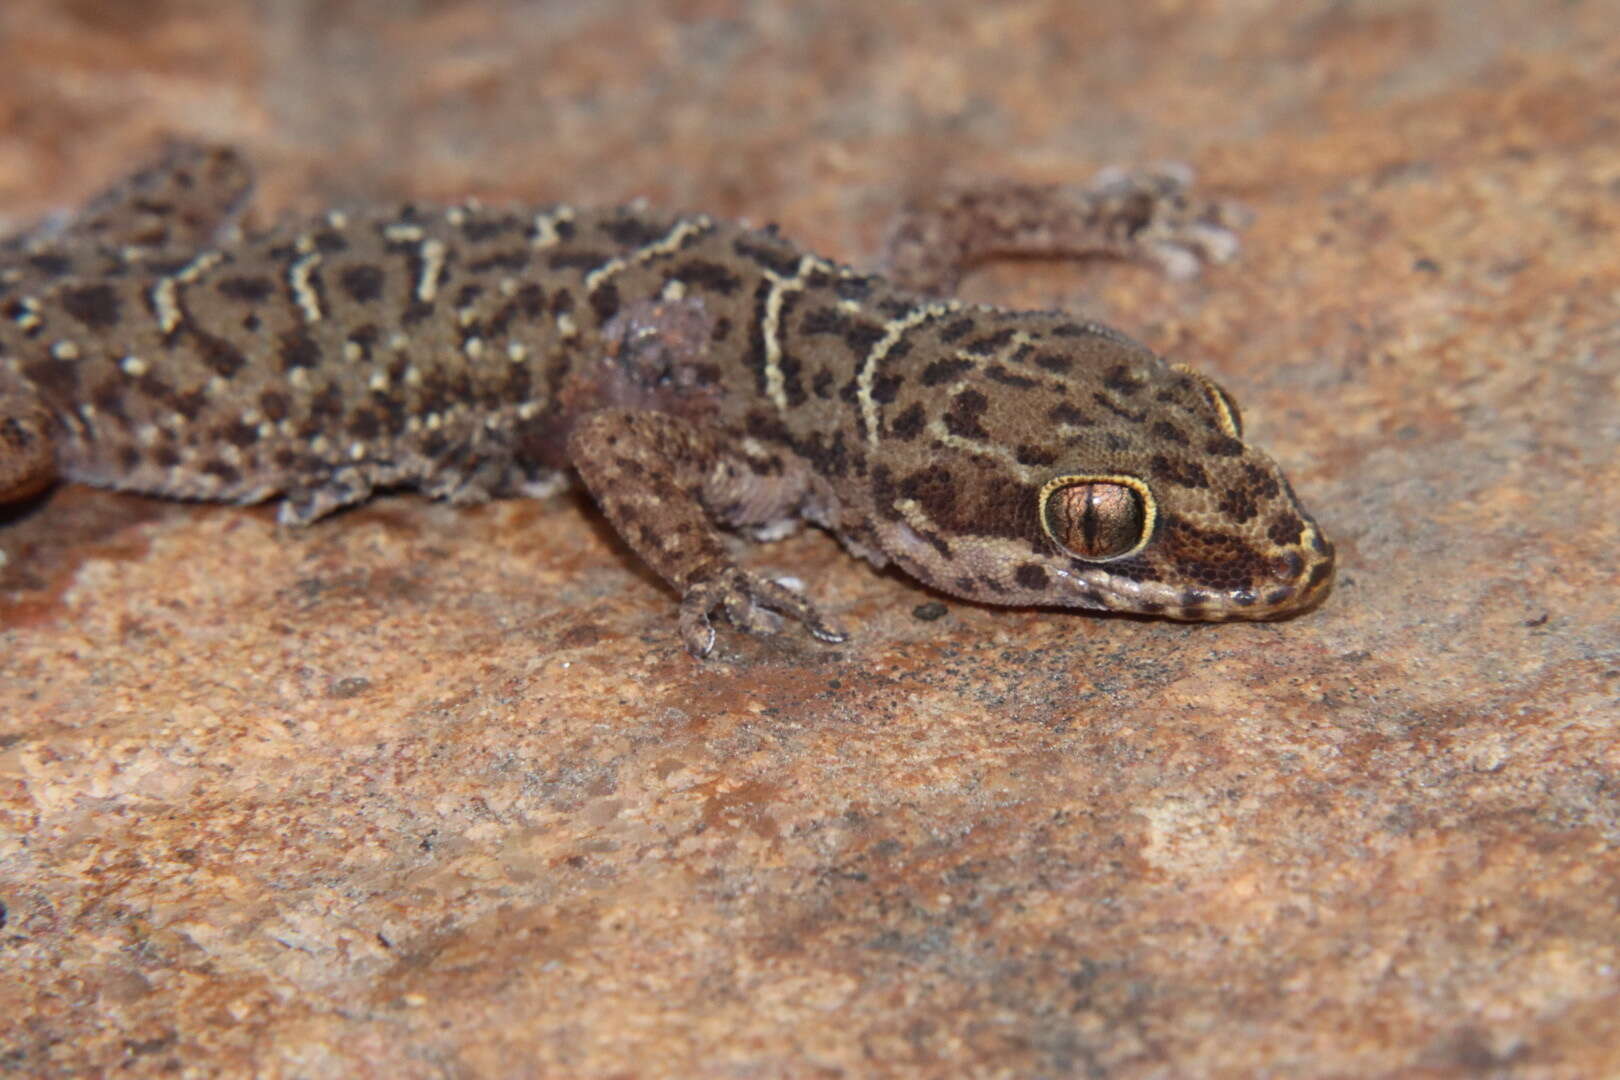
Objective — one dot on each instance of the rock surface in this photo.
(423, 792)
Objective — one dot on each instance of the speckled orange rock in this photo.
(426, 791)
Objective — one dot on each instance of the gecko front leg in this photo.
(663, 483)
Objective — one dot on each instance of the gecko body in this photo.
(695, 374)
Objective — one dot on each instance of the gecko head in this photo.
(1092, 474)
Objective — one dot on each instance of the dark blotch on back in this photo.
(780, 260)
(51, 264)
(220, 355)
(859, 336)
(633, 232)
(531, 300)
(298, 350)
(96, 306)
(885, 388)
(238, 433)
(909, 424)
(365, 424)
(515, 261)
(577, 260)
(821, 385)
(330, 242)
(275, 405)
(479, 230)
(191, 403)
(246, 288)
(59, 378)
(108, 398)
(363, 282)
(853, 288)
(604, 301)
(703, 274)
(328, 404)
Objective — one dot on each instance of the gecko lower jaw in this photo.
(1299, 590)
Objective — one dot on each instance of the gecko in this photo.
(700, 378)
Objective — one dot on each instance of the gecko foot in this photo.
(1151, 214)
(748, 600)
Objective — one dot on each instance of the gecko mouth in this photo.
(1295, 578)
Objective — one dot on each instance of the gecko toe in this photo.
(831, 633)
(697, 632)
(749, 616)
(753, 603)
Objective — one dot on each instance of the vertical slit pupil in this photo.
(1096, 519)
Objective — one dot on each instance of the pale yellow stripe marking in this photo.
(545, 227)
(892, 333)
(427, 286)
(1027, 473)
(166, 293)
(671, 242)
(770, 323)
(304, 295)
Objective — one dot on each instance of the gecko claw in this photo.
(753, 604)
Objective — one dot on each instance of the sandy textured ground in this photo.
(433, 793)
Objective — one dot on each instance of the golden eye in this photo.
(1226, 410)
(1098, 517)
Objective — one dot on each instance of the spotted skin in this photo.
(694, 374)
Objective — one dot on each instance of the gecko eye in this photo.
(1097, 518)
(1226, 410)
